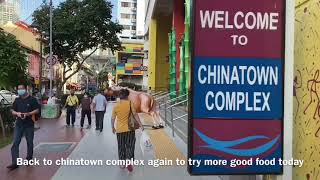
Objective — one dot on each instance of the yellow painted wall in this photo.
(158, 69)
(306, 139)
(152, 54)
(26, 38)
(127, 45)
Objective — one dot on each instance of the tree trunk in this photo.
(2, 126)
(59, 90)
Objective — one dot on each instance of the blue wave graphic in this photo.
(226, 146)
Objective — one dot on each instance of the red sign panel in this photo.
(256, 26)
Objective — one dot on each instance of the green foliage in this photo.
(79, 26)
(4, 141)
(13, 62)
(8, 119)
(103, 75)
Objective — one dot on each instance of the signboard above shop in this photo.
(237, 86)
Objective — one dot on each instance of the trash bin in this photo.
(50, 111)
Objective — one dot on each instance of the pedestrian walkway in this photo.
(103, 146)
(51, 131)
(90, 144)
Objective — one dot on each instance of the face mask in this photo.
(21, 92)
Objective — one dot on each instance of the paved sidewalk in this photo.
(103, 146)
(51, 131)
(94, 145)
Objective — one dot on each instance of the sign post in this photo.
(237, 94)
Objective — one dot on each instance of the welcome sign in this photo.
(237, 86)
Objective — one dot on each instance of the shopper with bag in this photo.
(127, 121)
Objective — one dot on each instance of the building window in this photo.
(126, 27)
(133, 28)
(125, 16)
(124, 37)
(125, 4)
(134, 5)
(134, 16)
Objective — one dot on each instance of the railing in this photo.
(177, 98)
(156, 93)
(165, 95)
(159, 95)
(170, 104)
(165, 103)
(171, 113)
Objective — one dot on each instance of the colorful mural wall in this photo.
(129, 69)
(306, 140)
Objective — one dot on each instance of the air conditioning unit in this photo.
(134, 9)
(133, 20)
(133, 32)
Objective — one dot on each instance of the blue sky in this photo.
(28, 6)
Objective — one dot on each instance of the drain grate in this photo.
(54, 147)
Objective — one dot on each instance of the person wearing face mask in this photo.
(85, 110)
(23, 108)
(71, 104)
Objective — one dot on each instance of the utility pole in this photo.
(50, 71)
(87, 83)
(40, 74)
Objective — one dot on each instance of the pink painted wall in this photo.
(34, 65)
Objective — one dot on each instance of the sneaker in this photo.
(155, 127)
(97, 129)
(72, 125)
(160, 126)
(130, 168)
(12, 167)
(68, 125)
(89, 126)
(81, 127)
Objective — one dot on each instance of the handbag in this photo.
(132, 122)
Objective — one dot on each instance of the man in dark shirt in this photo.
(22, 109)
(86, 110)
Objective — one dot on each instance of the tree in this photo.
(13, 61)
(102, 76)
(79, 26)
(13, 65)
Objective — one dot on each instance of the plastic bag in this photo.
(50, 101)
(145, 143)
